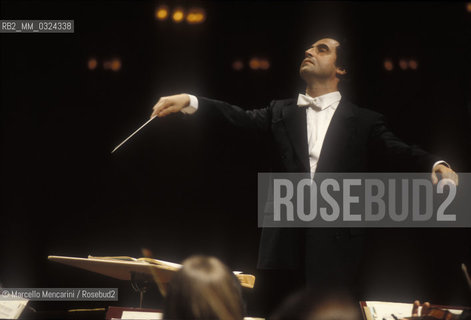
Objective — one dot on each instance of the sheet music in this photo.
(141, 315)
(12, 309)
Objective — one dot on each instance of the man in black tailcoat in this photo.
(318, 131)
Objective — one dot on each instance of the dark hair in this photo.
(343, 51)
(344, 61)
(343, 55)
(204, 289)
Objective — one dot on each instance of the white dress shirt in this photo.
(319, 113)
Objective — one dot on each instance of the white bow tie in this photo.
(305, 101)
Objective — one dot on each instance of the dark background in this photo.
(186, 186)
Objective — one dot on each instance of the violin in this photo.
(435, 313)
(440, 314)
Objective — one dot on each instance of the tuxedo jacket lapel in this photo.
(294, 119)
(336, 149)
(338, 142)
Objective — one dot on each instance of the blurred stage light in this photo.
(116, 64)
(237, 65)
(161, 13)
(388, 65)
(413, 64)
(468, 7)
(254, 64)
(113, 64)
(195, 16)
(403, 64)
(259, 63)
(264, 64)
(92, 64)
(178, 15)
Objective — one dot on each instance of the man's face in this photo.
(319, 62)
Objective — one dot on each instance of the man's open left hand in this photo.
(445, 172)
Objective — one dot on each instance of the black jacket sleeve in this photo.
(394, 154)
(257, 120)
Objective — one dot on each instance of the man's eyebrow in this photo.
(323, 46)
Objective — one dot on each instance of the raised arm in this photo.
(400, 154)
(257, 119)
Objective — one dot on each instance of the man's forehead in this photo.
(327, 41)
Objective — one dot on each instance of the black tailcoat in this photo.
(357, 140)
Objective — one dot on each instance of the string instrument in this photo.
(435, 313)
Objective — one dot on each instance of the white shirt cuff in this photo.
(192, 107)
(440, 162)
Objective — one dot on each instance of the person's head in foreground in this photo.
(204, 288)
(309, 305)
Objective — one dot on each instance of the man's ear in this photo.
(341, 71)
